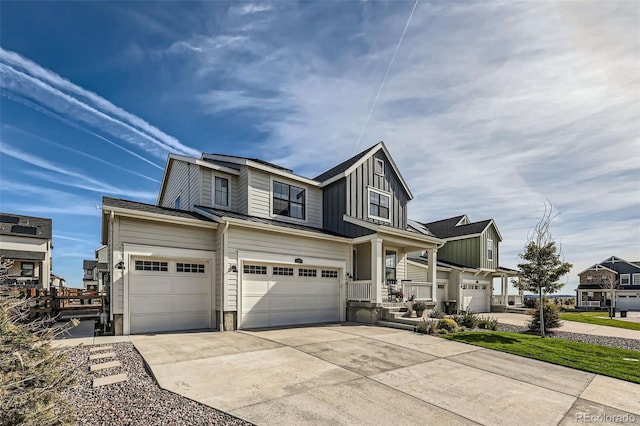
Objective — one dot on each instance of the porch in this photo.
(378, 272)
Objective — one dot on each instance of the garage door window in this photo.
(151, 265)
(194, 268)
(307, 272)
(255, 269)
(329, 274)
(278, 270)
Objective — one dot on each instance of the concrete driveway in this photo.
(355, 374)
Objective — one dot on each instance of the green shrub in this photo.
(427, 326)
(419, 306)
(448, 324)
(469, 319)
(442, 331)
(551, 318)
(32, 373)
(488, 323)
(436, 313)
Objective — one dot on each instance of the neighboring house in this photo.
(27, 241)
(236, 242)
(467, 264)
(90, 276)
(102, 268)
(56, 281)
(596, 282)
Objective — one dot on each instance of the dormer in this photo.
(366, 189)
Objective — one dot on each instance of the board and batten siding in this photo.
(243, 191)
(144, 232)
(184, 181)
(363, 177)
(259, 188)
(489, 234)
(252, 240)
(464, 252)
(208, 188)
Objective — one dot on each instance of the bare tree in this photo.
(541, 266)
(612, 286)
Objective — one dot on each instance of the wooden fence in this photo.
(55, 301)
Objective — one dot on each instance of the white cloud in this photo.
(40, 201)
(489, 109)
(27, 79)
(250, 8)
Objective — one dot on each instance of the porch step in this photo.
(398, 325)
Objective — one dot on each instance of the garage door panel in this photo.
(255, 303)
(189, 303)
(277, 300)
(150, 323)
(165, 300)
(150, 285)
(149, 304)
(255, 287)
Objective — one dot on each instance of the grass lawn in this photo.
(582, 356)
(591, 318)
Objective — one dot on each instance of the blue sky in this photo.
(489, 108)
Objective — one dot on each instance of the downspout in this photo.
(222, 274)
(110, 244)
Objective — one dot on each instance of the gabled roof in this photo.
(451, 228)
(221, 214)
(616, 265)
(418, 227)
(232, 159)
(346, 167)
(89, 264)
(25, 226)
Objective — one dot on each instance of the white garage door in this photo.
(274, 295)
(169, 295)
(631, 303)
(476, 297)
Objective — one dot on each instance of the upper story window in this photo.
(288, 200)
(624, 279)
(489, 249)
(636, 279)
(589, 278)
(27, 269)
(177, 203)
(379, 205)
(379, 167)
(221, 191)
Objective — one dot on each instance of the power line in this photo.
(384, 79)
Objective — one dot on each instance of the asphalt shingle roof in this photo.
(21, 254)
(150, 208)
(257, 160)
(228, 164)
(342, 167)
(89, 264)
(255, 219)
(447, 228)
(27, 226)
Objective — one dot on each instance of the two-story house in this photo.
(467, 264)
(597, 282)
(96, 271)
(27, 241)
(237, 242)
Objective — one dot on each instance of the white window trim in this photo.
(635, 279)
(213, 191)
(376, 162)
(490, 259)
(292, 183)
(628, 276)
(386, 194)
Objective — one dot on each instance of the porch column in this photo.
(432, 258)
(505, 290)
(376, 270)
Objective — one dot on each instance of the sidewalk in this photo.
(572, 326)
(83, 335)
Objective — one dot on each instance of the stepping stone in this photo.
(108, 380)
(104, 365)
(100, 356)
(100, 348)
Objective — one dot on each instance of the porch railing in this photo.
(359, 291)
(591, 304)
(422, 290)
(512, 300)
